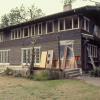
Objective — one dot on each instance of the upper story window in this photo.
(68, 23)
(50, 26)
(15, 34)
(39, 28)
(26, 32)
(85, 24)
(75, 22)
(33, 30)
(61, 24)
(1, 37)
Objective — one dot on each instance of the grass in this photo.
(23, 89)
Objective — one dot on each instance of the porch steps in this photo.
(72, 73)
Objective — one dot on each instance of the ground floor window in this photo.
(4, 56)
(27, 55)
(92, 50)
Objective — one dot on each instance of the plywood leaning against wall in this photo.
(50, 55)
(43, 59)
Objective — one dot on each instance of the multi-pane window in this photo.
(4, 56)
(27, 54)
(39, 28)
(36, 55)
(68, 23)
(50, 26)
(92, 50)
(85, 24)
(25, 32)
(15, 34)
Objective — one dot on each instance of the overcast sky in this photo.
(48, 6)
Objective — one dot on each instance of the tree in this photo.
(22, 14)
(68, 2)
(5, 21)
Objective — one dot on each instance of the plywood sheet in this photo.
(49, 59)
(43, 59)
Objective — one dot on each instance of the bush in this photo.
(40, 75)
(8, 71)
(95, 72)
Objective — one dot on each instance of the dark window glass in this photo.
(33, 31)
(15, 33)
(75, 22)
(25, 32)
(61, 24)
(49, 27)
(68, 23)
(40, 28)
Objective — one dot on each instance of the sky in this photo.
(48, 6)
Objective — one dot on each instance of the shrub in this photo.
(95, 72)
(40, 75)
(8, 71)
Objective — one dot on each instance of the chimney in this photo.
(67, 7)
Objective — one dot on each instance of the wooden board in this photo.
(49, 59)
(43, 59)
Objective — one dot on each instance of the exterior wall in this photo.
(46, 42)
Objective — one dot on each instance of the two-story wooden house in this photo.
(79, 28)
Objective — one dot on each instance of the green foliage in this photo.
(41, 75)
(95, 72)
(8, 71)
(21, 14)
(68, 2)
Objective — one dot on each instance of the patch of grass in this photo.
(23, 89)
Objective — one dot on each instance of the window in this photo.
(15, 34)
(85, 24)
(33, 30)
(68, 23)
(4, 56)
(50, 26)
(27, 54)
(61, 24)
(26, 32)
(1, 37)
(40, 29)
(75, 22)
(92, 50)
(36, 55)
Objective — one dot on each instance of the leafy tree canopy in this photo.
(68, 2)
(21, 14)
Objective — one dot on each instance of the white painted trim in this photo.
(41, 28)
(33, 26)
(28, 48)
(23, 31)
(52, 21)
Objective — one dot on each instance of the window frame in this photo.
(4, 58)
(23, 31)
(52, 21)
(38, 28)
(30, 48)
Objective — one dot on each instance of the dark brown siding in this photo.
(46, 42)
